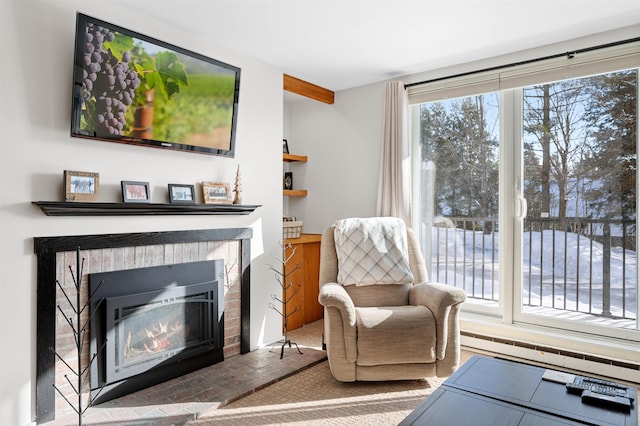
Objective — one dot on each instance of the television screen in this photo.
(130, 88)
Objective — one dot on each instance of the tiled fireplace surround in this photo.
(104, 253)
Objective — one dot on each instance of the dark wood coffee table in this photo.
(492, 391)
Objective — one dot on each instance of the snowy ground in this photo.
(575, 282)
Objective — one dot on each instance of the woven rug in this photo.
(313, 396)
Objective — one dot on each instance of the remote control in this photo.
(603, 387)
(617, 402)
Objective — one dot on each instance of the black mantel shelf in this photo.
(61, 208)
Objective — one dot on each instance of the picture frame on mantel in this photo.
(135, 192)
(216, 193)
(81, 186)
(182, 194)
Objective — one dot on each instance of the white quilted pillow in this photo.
(372, 251)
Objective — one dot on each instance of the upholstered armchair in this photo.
(383, 320)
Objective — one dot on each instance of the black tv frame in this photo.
(77, 99)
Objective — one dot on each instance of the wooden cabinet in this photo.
(303, 270)
(291, 158)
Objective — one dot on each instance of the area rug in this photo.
(313, 396)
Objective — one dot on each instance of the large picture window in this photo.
(527, 188)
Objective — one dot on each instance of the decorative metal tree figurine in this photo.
(238, 188)
(281, 276)
(80, 331)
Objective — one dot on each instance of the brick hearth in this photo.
(181, 400)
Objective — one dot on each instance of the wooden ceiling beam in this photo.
(304, 88)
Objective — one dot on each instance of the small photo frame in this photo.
(135, 192)
(287, 182)
(285, 146)
(81, 186)
(216, 193)
(182, 194)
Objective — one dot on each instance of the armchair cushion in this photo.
(372, 251)
(395, 335)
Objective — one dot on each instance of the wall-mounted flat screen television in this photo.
(134, 89)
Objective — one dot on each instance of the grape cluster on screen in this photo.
(108, 80)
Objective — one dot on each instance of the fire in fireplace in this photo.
(152, 324)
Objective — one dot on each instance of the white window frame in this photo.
(507, 321)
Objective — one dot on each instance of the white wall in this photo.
(37, 39)
(343, 143)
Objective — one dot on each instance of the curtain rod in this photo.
(569, 55)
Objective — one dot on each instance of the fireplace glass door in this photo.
(146, 329)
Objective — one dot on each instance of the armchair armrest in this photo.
(334, 295)
(340, 318)
(436, 296)
(440, 299)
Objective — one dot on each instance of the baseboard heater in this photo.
(546, 355)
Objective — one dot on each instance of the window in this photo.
(459, 153)
(579, 239)
(527, 181)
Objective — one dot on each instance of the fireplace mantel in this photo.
(61, 208)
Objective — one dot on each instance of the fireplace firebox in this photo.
(152, 324)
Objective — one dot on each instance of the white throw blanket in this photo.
(372, 251)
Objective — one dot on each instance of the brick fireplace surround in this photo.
(104, 253)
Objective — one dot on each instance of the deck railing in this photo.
(572, 264)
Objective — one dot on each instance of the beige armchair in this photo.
(388, 331)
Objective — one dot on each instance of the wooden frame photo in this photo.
(182, 194)
(135, 192)
(81, 186)
(216, 193)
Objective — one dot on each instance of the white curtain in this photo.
(394, 189)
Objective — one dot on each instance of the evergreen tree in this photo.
(456, 136)
(612, 114)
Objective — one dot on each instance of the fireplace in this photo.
(56, 260)
(153, 324)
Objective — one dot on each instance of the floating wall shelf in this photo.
(293, 157)
(295, 192)
(61, 208)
